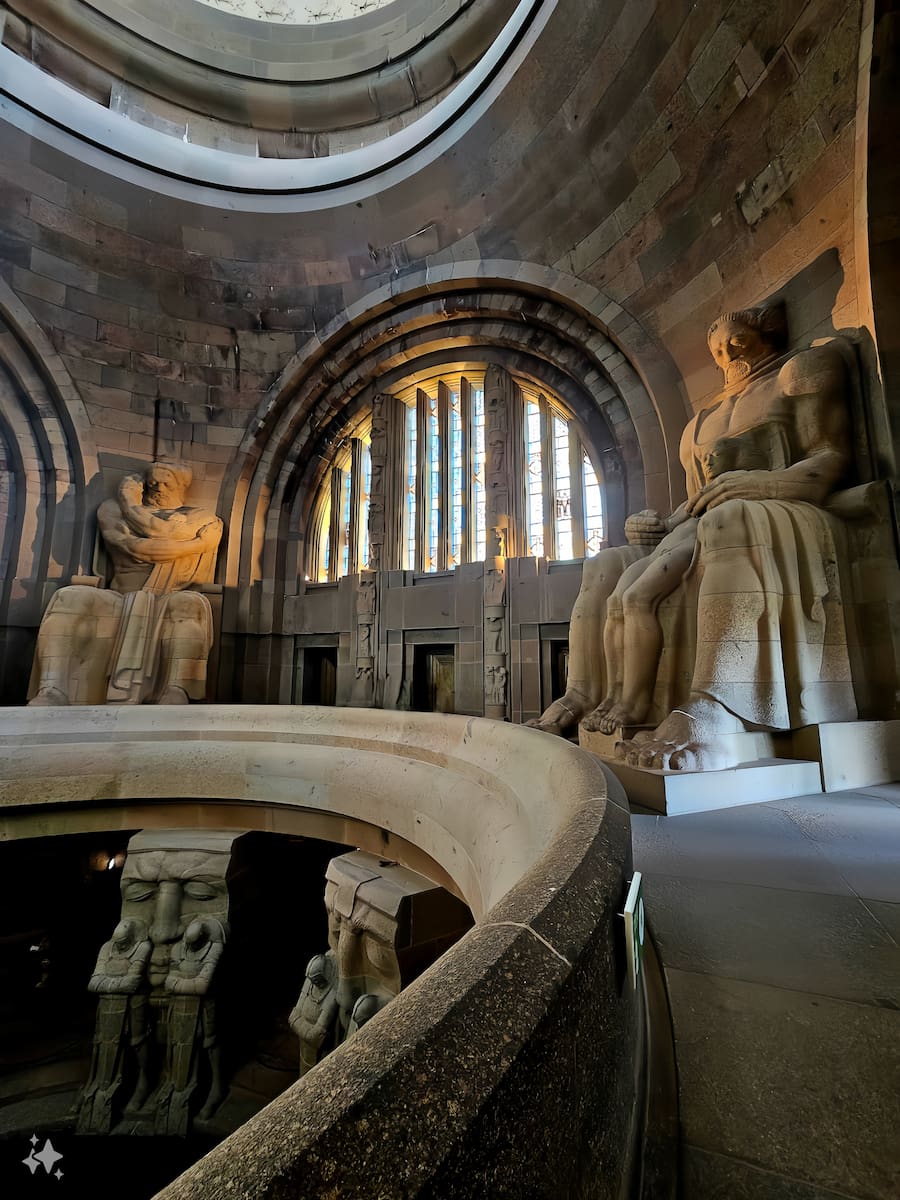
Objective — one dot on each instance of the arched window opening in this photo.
(340, 524)
(411, 488)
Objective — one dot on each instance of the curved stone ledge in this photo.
(513, 1066)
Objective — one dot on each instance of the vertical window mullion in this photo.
(576, 477)
(423, 505)
(547, 479)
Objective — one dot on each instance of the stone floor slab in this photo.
(757, 844)
(859, 833)
(708, 1176)
(791, 1083)
(826, 945)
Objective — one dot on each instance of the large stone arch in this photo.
(551, 318)
(50, 484)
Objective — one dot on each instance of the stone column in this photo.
(503, 416)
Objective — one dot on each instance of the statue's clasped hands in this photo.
(645, 528)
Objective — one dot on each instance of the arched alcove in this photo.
(551, 337)
(49, 489)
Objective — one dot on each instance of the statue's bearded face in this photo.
(162, 489)
(738, 349)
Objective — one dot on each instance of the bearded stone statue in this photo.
(756, 637)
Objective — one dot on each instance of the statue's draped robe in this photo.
(134, 660)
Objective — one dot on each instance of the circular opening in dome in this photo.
(299, 12)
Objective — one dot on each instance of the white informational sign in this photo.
(634, 927)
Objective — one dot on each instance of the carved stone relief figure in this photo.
(495, 633)
(364, 1010)
(494, 583)
(314, 1016)
(495, 685)
(145, 639)
(191, 1027)
(366, 604)
(361, 931)
(162, 958)
(752, 558)
(120, 981)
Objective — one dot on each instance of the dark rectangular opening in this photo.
(320, 675)
(434, 678)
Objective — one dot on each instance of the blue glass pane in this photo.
(364, 507)
(410, 513)
(456, 481)
(478, 493)
(562, 500)
(534, 469)
(434, 486)
(345, 527)
(594, 532)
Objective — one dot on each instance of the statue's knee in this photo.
(723, 525)
(185, 606)
(638, 600)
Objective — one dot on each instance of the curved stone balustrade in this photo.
(513, 1066)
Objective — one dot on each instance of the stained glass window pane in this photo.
(325, 541)
(534, 504)
(478, 493)
(562, 501)
(345, 526)
(410, 514)
(457, 506)
(365, 491)
(593, 508)
(434, 485)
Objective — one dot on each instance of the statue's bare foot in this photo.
(616, 716)
(48, 697)
(174, 695)
(593, 721)
(687, 740)
(562, 715)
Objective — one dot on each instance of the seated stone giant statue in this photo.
(144, 639)
(756, 639)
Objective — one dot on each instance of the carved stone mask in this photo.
(168, 889)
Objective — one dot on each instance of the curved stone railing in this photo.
(513, 1066)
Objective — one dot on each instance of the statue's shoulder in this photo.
(816, 369)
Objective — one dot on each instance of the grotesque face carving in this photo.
(738, 348)
(167, 890)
